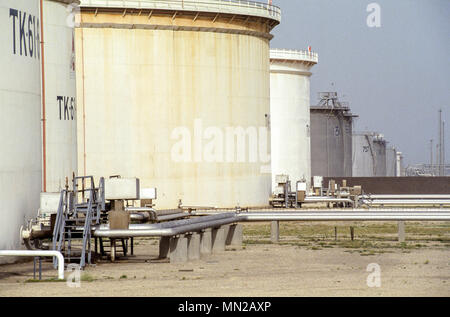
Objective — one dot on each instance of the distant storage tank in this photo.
(391, 161)
(331, 137)
(20, 117)
(399, 167)
(164, 87)
(380, 151)
(60, 155)
(364, 156)
(289, 113)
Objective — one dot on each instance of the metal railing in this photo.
(295, 55)
(243, 7)
(38, 253)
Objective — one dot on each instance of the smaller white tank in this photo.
(391, 161)
(60, 156)
(290, 114)
(364, 160)
(380, 155)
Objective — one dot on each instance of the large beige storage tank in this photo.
(20, 117)
(289, 113)
(160, 86)
(60, 156)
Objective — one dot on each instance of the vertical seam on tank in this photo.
(44, 147)
(84, 106)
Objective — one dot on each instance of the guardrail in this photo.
(243, 7)
(38, 253)
(294, 55)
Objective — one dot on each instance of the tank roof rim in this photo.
(238, 7)
(294, 55)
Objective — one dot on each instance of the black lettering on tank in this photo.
(13, 13)
(72, 107)
(66, 108)
(59, 98)
(22, 32)
(30, 35)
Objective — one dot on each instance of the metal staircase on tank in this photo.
(78, 211)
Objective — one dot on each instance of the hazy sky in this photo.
(395, 77)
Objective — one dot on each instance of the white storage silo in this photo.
(160, 86)
(20, 117)
(364, 156)
(380, 155)
(290, 114)
(60, 155)
(391, 161)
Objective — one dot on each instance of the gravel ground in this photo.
(294, 267)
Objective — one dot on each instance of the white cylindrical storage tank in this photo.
(289, 113)
(363, 160)
(164, 87)
(399, 166)
(380, 155)
(391, 161)
(60, 155)
(20, 119)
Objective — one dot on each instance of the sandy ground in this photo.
(292, 268)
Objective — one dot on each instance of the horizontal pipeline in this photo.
(347, 216)
(313, 199)
(415, 196)
(333, 211)
(172, 216)
(172, 224)
(140, 216)
(165, 232)
(198, 224)
(406, 201)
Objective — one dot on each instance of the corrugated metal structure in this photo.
(331, 137)
(160, 87)
(391, 161)
(20, 119)
(60, 95)
(380, 155)
(289, 113)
